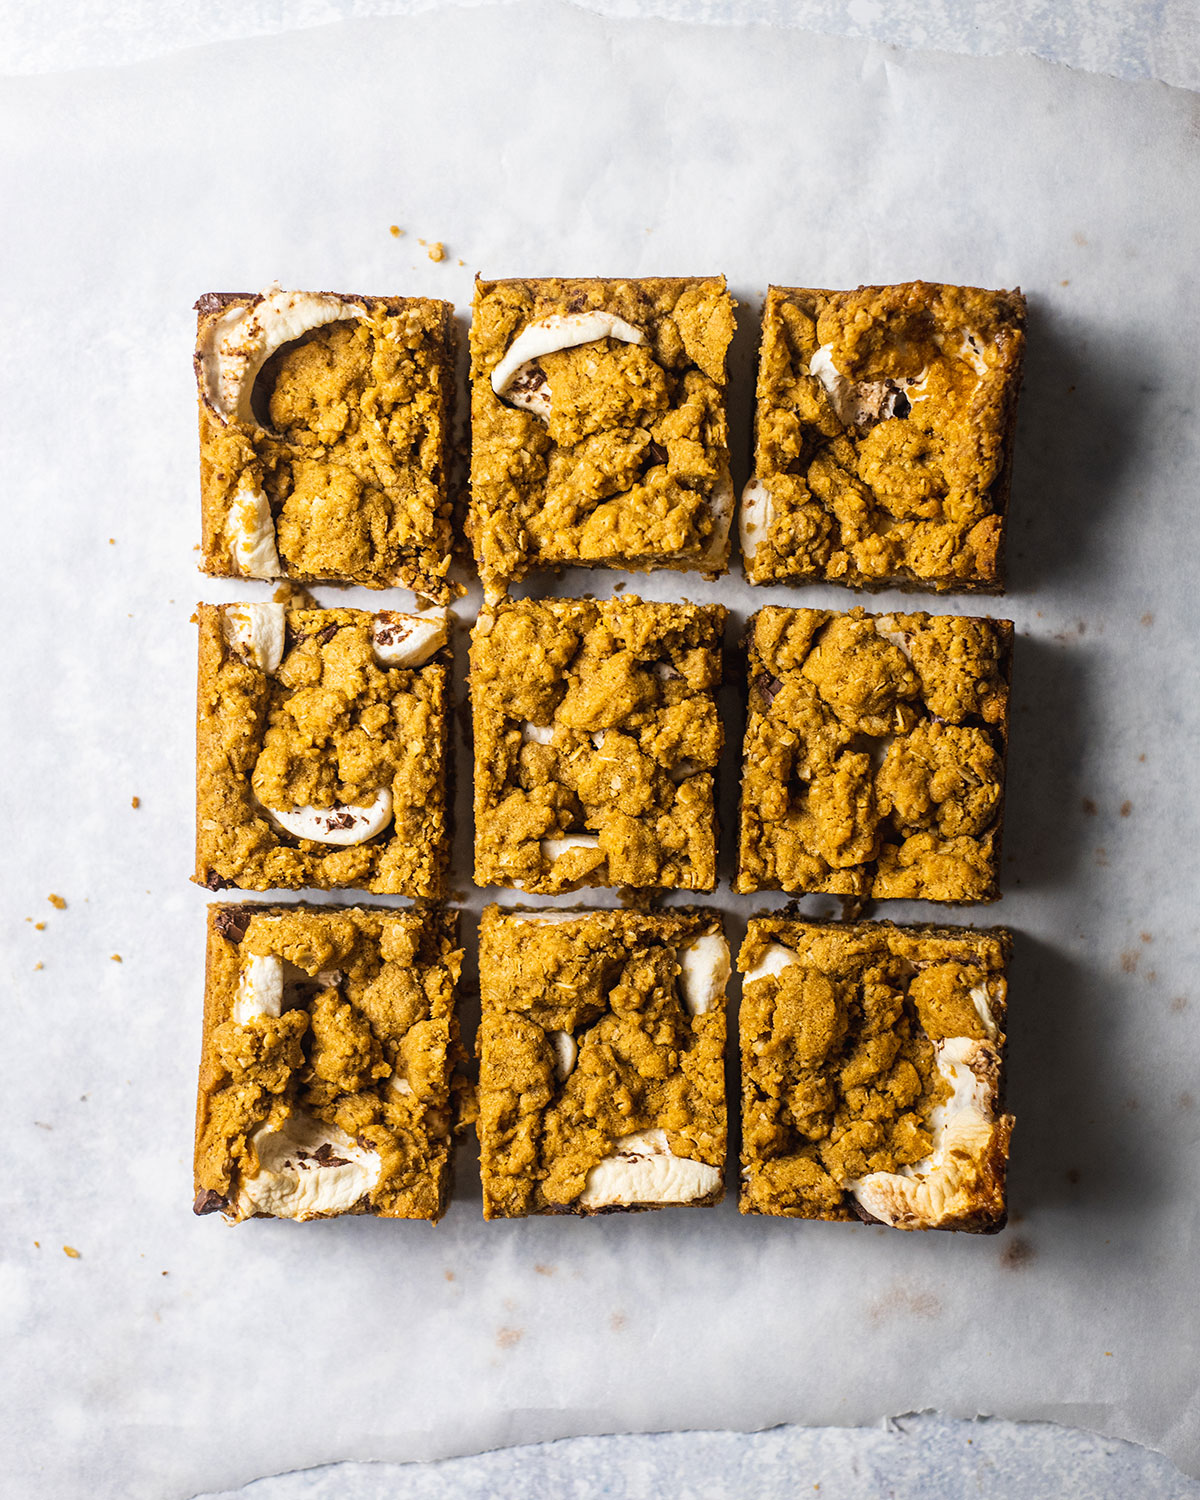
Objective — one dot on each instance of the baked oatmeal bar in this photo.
(325, 429)
(596, 744)
(599, 433)
(873, 1073)
(321, 749)
(883, 437)
(874, 754)
(601, 1046)
(328, 1072)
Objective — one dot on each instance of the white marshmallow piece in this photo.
(256, 632)
(250, 530)
(547, 336)
(548, 917)
(935, 1190)
(306, 1169)
(863, 401)
(259, 989)
(566, 1051)
(237, 344)
(773, 962)
(980, 997)
(886, 626)
(720, 508)
(554, 849)
(341, 826)
(537, 734)
(704, 972)
(407, 640)
(755, 518)
(642, 1169)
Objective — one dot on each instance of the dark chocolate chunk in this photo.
(768, 687)
(231, 923)
(657, 453)
(208, 1201)
(214, 882)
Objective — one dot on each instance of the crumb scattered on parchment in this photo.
(462, 262)
(116, 958)
(434, 249)
(71, 1251)
(56, 901)
(112, 541)
(37, 1244)
(39, 927)
(38, 966)
(395, 231)
(293, 596)
(135, 802)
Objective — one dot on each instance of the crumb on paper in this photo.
(38, 966)
(116, 958)
(135, 802)
(39, 927)
(436, 251)
(112, 541)
(293, 596)
(71, 1251)
(37, 1244)
(395, 231)
(462, 262)
(56, 901)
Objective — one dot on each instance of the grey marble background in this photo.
(923, 1455)
(1126, 38)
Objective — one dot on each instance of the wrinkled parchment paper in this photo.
(175, 1355)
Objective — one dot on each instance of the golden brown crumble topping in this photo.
(883, 434)
(367, 1043)
(631, 467)
(329, 728)
(874, 754)
(596, 743)
(609, 981)
(839, 1073)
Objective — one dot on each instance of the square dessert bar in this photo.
(873, 1073)
(596, 744)
(874, 754)
(325, 430)
(321, 749)
(328, 1073)
(883, 437)
(601, 1045)
(598, 426)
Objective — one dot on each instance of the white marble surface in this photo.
(1104, 495)
(1127, 38)
(912, 1458)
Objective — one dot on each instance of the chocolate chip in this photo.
(208, 1201)
(231, 923)
(338, 820)
(533, 378)
(902, 405)
(323, 637)
(769, 687)
(658, 454)
(214, 882)
(577, 302)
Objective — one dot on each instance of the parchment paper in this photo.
(176, 1355)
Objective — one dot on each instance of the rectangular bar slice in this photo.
(874, 754)
(596, 744)
(598, 425)
(601, 1072)
(873, 1073)
(328, 1072)
(883, 437)
(325, 431)
(321, 749)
